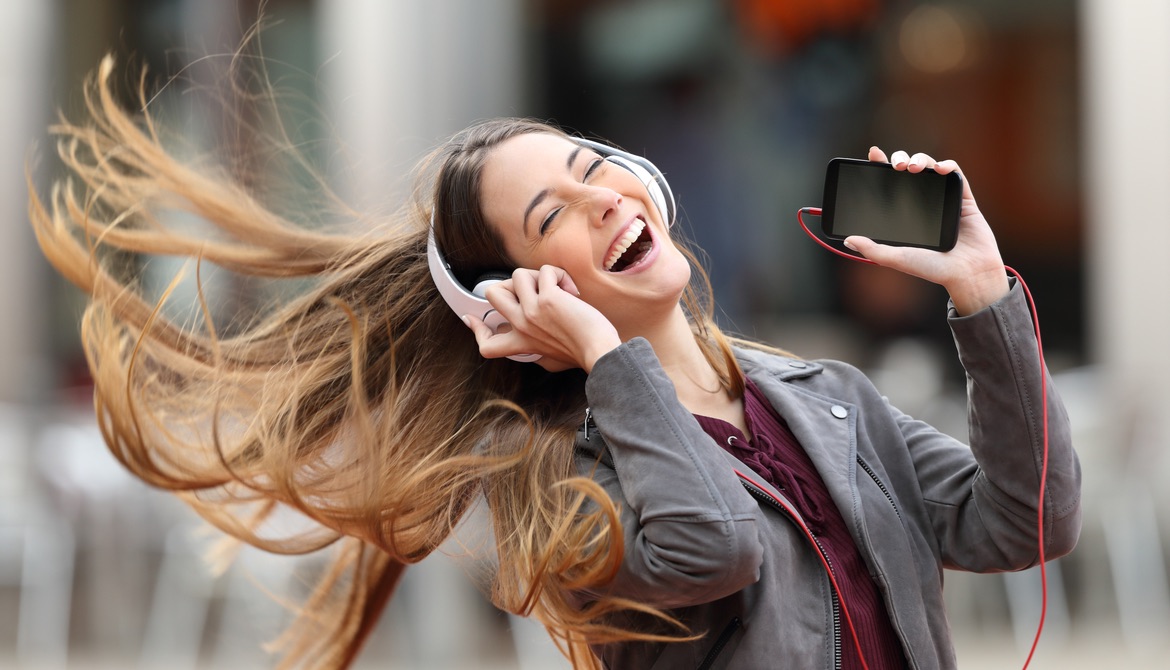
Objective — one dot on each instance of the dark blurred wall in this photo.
(742, 103)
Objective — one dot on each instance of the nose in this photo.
(603, 203)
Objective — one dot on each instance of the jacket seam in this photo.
(992, 496)
(1025, 395)
(705, 518)
(1067, 510)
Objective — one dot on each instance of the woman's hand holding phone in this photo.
(546, 317)
(972, 272)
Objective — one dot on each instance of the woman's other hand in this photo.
(546, 317)
(972, 272)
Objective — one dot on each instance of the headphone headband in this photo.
(463, 301)
(649, 174)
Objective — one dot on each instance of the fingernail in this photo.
(466, 320)
(850, 245)
(918, 160)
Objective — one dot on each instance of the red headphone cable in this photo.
(816, 211)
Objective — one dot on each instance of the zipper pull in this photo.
(588, 419)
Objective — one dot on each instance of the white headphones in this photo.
(463, 301)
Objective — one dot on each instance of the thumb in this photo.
(862, 245)
(895, 257)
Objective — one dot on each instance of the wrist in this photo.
(974, 293)
(597, 348)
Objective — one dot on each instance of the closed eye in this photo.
(548, 220)
(598, 162)
(593, 167)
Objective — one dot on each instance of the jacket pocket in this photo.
(722, 644)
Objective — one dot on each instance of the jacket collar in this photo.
(782, 368)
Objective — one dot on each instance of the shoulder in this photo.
(827, 379)
(783, 367)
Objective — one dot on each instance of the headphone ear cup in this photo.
(486, 280)
(462, 301)
(650, 182)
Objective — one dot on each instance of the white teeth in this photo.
(623, 243)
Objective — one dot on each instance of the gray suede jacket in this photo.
(725, 553)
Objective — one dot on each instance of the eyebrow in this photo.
(548, 191)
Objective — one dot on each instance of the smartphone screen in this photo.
(891, 206)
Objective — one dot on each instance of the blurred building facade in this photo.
(1056, 109)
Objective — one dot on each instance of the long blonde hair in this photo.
(361, 403)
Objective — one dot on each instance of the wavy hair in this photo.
(359, 402)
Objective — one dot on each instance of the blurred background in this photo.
(1056, 109)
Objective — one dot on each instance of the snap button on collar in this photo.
(839, 411)
(797, 364)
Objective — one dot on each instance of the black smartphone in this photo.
(891, 206)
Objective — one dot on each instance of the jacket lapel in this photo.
(825, 427)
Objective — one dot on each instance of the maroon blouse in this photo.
(775, 455)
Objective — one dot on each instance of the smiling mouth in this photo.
(630, 248)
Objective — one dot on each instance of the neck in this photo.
(696, 382)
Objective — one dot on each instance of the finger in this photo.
(503, 298)
(504, 342)
(947, 166)
(478, 328)
(553, 278)
(899, 159)
(501, 292)
(877, 155)
(563, 280)
(858, 243)
(919, 162)
(524, 286)
(881, 254)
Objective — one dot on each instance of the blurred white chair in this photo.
(118, 525)
(1132, 514)
(535, 650)
(199, 619)
(36, 548)
(1122, 543)
(1138, 566)
(253, 593)
(183, 593)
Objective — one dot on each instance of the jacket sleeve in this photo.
(984, 511)
(688, 524)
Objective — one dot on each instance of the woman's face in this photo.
(554, 202)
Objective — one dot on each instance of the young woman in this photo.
(661, 495)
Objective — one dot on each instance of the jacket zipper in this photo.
(768, 498)
(882, 585)
(836, 605)
(881, 485)
(720, 643)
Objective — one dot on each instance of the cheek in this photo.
(568, 251)
(679, 266)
